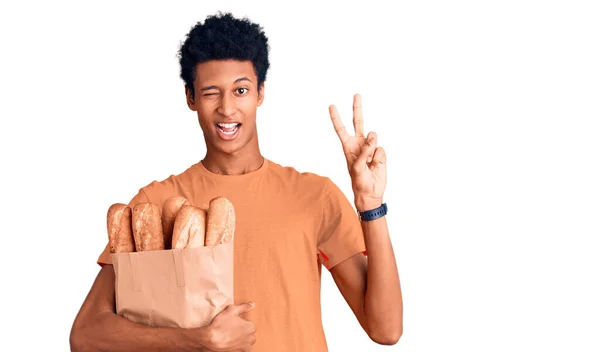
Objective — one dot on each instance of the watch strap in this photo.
(369, 215)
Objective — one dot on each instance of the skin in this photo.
(227, 91)
(371, 289)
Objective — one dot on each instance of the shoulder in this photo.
(291, 175)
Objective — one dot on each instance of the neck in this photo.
(238, 163)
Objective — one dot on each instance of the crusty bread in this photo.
(170, 209)
(118, 223)
(189, 227)
(147, 227)
(220, 222)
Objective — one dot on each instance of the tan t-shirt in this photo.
(288, 224)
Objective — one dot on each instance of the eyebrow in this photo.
(236, 81)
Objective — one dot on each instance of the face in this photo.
(226, 99)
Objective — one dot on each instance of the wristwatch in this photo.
(369, 215)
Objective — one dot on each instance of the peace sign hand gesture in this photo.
(365, 160)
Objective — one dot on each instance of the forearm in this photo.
(98, 328)
(114, 333)
(383, 297)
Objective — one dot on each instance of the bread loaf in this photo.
(189, 227)
(118, 223)
(220, 222)
(170, 210)
(147, 227)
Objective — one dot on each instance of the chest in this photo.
(278, 227)
(283, 225)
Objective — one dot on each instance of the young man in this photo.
(288, 223)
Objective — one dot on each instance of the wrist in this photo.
(364, 204)
(199, 338)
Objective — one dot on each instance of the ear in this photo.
(190, 99)
(261, 94)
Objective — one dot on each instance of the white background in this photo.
(488, 112)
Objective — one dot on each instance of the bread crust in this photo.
(170, 210)
(220, 221)
(147, 227)
(120, 234)
(189, 228)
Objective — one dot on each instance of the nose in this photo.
(227, 106)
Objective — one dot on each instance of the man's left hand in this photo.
(365, 160)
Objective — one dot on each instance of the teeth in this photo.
(228, 129)
(228, 125)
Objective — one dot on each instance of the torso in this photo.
(278, 217)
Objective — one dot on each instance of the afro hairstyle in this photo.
(224, 37)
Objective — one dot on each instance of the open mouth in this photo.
(228, 128)
(228, 131)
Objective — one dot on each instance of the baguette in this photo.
(189, 227)
(170, 210)
(147, 227)
(118, 223)
(220, 222)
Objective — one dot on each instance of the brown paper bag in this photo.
(183, 288)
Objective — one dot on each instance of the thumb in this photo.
(243, 308)
(366, 153)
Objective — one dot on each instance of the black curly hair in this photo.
(222, 37)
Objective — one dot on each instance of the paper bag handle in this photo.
(178, 264)
(133, 263)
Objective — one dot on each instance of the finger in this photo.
(378, 157)
(359, 130)
(367, 152)
(243, 308)
(337, 124)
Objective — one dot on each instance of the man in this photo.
(288, 223)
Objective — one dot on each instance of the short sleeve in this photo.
(340, 236)
(105, 257)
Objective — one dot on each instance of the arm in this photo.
(98, 328)
(373, 290)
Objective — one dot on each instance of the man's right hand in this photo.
(230, 332)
